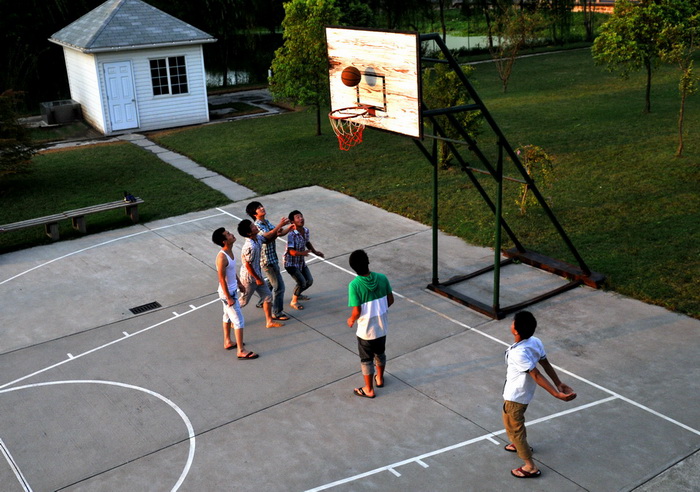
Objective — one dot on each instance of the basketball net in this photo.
(348, 126)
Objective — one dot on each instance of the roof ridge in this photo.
(118, 5)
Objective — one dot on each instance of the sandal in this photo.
(297, 306)
(248, 356)
(525, 473)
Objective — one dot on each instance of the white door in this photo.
(120, 95)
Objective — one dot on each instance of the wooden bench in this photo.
(77, 217)
(50, 223)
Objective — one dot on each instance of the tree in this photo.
(559, 13)
(300, 65)
(355, 13)
(443, 89)
(539, 165)
(678, 44)
(588, 14)
(513, 29)
(15, 142)
(628, 41)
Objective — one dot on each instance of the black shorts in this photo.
(369, 348)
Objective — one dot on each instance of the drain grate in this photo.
(145, 307)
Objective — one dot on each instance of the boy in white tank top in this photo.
(228, 286)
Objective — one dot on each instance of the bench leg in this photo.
(79, 224)
(52, 230)
(133, 212)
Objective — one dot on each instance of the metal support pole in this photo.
(497, 247)
(435, 213)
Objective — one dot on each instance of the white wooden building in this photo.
(133, 67)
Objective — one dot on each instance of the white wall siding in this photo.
(155, 112)
(84, 86)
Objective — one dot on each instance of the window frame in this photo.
(169, 76)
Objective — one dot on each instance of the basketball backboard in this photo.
(389, 63)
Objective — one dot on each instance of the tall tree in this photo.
(628, 41)
(300, 65)
(513, 29)
(678, 42)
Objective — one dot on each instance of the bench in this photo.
(77, 217)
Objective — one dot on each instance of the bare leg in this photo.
(227, 336)
(379, 377)
(270, 323)
(295, 302)
(239, 340)
(368, 388)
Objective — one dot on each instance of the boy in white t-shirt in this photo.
(522, 378)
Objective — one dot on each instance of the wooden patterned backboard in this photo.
(389, 62)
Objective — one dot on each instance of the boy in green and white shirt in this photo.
(369, 295)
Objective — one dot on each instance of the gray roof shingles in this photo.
(127, 24)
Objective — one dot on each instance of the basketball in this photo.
(351, 76)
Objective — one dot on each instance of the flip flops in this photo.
(360, 392)
(248, 356)
(281, 317)
(525, 473)
(513, 450)
(377, 384)
(297, 306)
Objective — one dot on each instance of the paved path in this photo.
(231, 189)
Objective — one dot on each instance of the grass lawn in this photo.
(84, 176)
(630, 207)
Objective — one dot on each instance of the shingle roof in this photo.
(127, 24)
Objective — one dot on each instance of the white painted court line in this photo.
(180, 412)
(569, 373)
(13, 465)
(419, 459)
(75, 357)
(104, 244)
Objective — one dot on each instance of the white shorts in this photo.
(233, 314)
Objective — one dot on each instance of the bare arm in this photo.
(555, 377)
(313, 250)
(251, 272)
(221, 264)
(390, 299)
(278, 230)
(560, 391)
(356, 312)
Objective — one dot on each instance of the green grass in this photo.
(80, 177)
(630, 207)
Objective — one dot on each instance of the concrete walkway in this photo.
(231, 189)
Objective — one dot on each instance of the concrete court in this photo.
(94, 398)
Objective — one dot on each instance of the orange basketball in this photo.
(351, 76)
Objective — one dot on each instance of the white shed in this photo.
(134, 67)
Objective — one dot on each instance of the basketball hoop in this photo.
(348, 126)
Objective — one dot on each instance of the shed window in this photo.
(169, 75)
